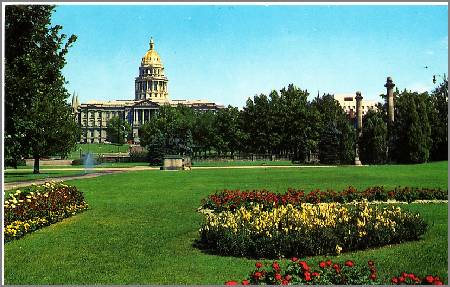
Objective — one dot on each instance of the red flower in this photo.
(394, 280)
(231, 283)
(276, 266)
(437, 282)
(328, 262)
(373, 276)
(401, 279)
(337, 268)
(257, 275)
(370, 263)
(245, 282)
(278, 276)
(315, 274)
(304, 265)
(293, 259)
(349, 263)
(288, 277)
(284, 282)
(307, 276)
(258, 265)
(322, 264)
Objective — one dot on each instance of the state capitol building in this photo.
(151, 91)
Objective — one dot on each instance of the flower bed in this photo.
(306, 229)
(232, 199)
(296, 272)
(38, 206)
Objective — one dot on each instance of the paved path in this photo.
(99, 171)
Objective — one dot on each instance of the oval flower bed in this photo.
(297, 272)
(307, 229)
(37, 206)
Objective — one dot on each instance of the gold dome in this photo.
(151, 58)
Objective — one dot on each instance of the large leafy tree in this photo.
(38, 119)
(169, 133)
(118, 130)
(227, 133)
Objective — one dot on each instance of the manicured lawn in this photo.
(141, 227)
(27, 174)
(242, 163)
(97, 148)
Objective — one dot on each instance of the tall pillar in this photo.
(358, 99)
(143, 114)
(390, 97)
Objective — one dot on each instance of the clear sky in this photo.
(227, 53)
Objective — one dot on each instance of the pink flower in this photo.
(231, 283)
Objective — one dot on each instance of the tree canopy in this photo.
(38, 118)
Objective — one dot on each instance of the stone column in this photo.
(358, 99)
(143, 114)
(390, 98)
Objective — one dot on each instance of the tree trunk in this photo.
(36, 165)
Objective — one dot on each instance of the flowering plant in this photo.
(37, 206)
(298, 272)
(233, 199)
(309, 229)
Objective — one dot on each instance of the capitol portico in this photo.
(151, 92)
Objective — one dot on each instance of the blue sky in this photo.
(229, 53)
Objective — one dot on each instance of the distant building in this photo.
(348, 103)
(151, 92)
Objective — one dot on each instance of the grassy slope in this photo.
(97, 148)
(141, 226)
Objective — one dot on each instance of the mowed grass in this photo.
(97, 148)
(27, 174)
(141, 227)
(242, 163)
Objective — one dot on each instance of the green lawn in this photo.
(97, 148)
(141, 226)
(242, 163)
(12, 175)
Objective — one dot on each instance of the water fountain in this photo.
(88, 162)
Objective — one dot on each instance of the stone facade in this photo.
(348, 103)
(151, 92)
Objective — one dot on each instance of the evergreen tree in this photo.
(373, 142)
(329, 144)
(439, 118)
(412, 130)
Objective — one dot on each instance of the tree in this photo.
(227, 132)
(412, 130)
(118, 130)
(38, 118)
(203, 131)
(439, 118)
(373, 142)
(332, 123)
(329, 144)
(170, 132)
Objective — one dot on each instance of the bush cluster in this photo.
(233, 199)
(37, 206)
(297, 272)
(306, 230)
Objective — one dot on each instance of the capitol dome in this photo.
(151, 83)
(151, 58)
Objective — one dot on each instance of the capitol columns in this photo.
(358, 99)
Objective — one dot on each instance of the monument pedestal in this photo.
(357, 161)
